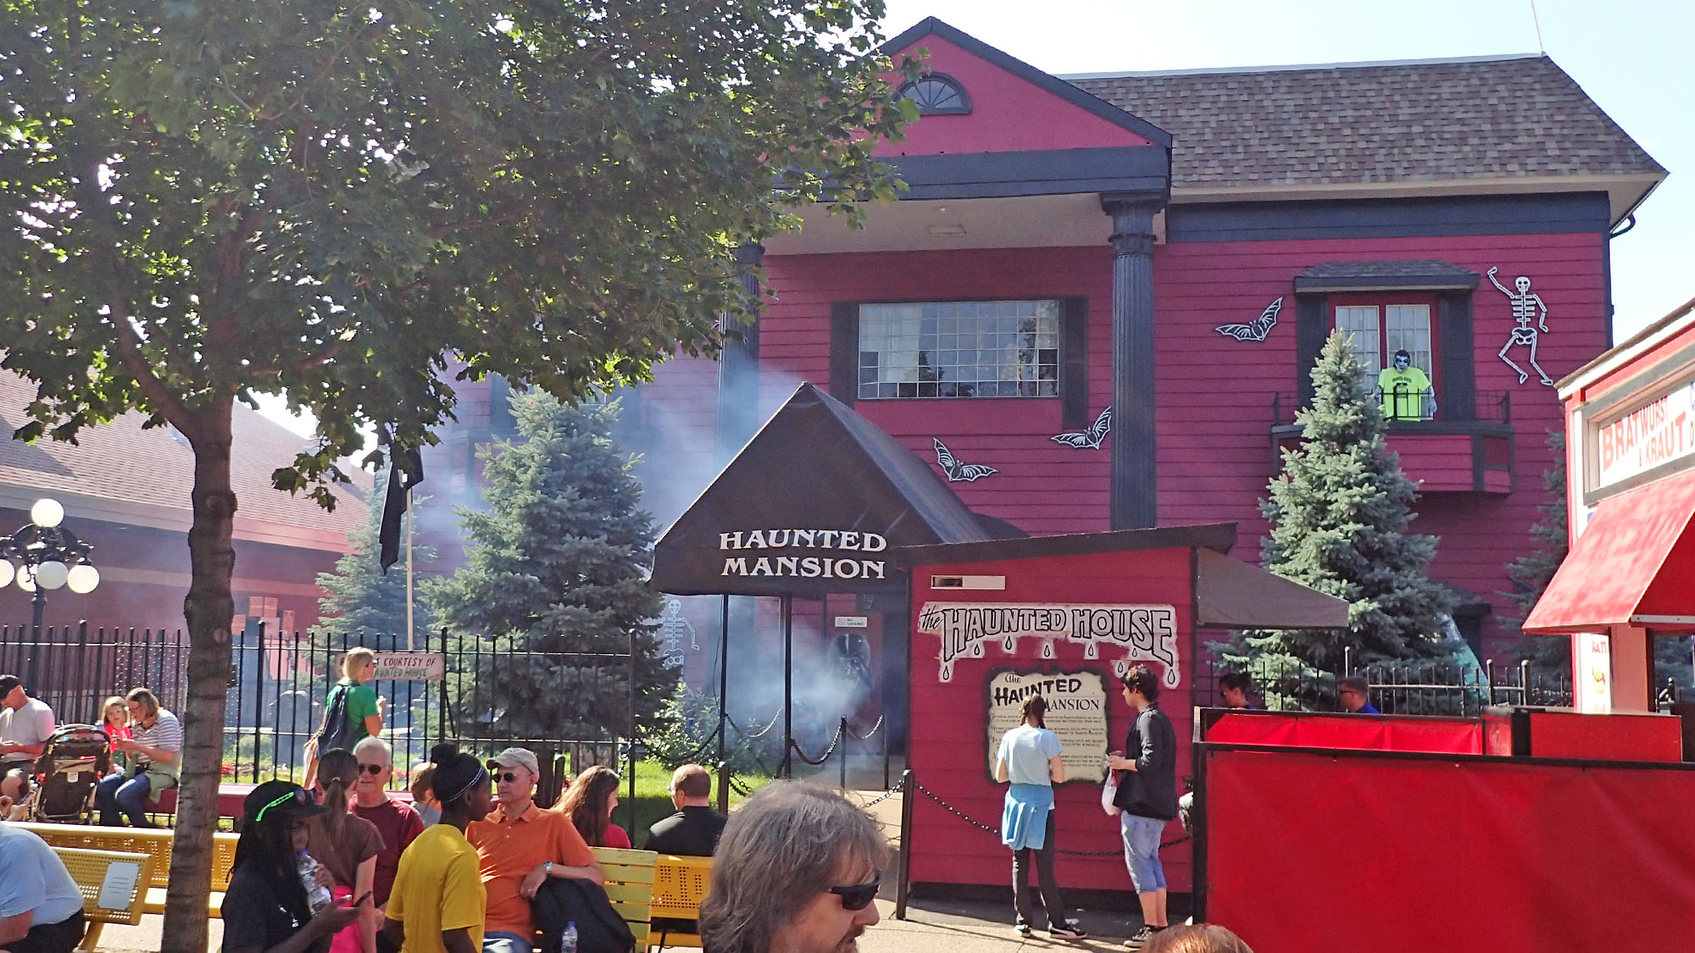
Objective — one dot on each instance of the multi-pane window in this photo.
(1378, 331)
(959, 349)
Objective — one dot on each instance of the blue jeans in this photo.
(503, 942)
(1141, 851)
(120, 792)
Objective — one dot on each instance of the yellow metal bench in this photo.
(156, 843)
(629, 885)
(679, 885)
(90, 870)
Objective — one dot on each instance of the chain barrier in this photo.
(956, 812)
(737, 786)
(867, 736)
(757, 734)
(891, 792)
(827, 751)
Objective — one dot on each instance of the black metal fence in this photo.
(279, 682)
(1396, 688)
(1451, 405)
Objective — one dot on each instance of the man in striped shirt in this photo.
(155, 758)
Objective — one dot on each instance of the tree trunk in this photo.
(209, 607)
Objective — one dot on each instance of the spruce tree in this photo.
(556, 563)
(1550, 656)
(363, 604)
(1339, 514)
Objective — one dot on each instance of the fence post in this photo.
(841, 764)
(723, 787)
(1489, 672)
(1524, 682)
(908, 783)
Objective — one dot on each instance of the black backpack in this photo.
(337, 730)
(565, 900)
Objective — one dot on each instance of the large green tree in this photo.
(205, 200)
(555, 578)
(1340, 511)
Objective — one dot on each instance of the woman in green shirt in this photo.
(363, 709)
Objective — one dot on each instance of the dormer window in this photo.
(937, 95)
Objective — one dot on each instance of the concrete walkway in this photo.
(955, 926)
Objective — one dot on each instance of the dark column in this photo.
(738, 363)
(1134, 494)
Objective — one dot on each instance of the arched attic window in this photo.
(937, 95)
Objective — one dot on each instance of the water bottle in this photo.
(568, 939)
(317, 896)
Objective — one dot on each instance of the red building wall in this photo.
(1216, 394)
(948, 735)
(1041, 486)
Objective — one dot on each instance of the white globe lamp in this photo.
(5, 573)
(82, 579)
(25, 582)
(51, 574)
(47, 514)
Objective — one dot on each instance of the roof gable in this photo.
(1014, 106)
(816, 466)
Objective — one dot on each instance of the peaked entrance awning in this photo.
(1633, 565)
(814, 503)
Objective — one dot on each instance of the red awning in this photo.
(1633, 565)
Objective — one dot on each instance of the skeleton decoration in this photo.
(1088, 439)
(959, 472)
(1254, 330)
(1526, 306)
(673, 626)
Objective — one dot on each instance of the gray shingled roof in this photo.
(1397, 122)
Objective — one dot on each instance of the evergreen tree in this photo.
(1339, 514)
(557, 563)
(363, 603)
(1550, 656)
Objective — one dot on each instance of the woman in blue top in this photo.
(1029, 758)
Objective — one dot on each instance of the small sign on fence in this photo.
(412, 666)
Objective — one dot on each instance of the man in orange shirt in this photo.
(520, 845)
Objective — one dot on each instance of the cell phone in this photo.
(362, 898)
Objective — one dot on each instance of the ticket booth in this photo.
(1630, 574)
(997, 620)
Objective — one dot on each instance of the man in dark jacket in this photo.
(693, 831)
(1147, 795)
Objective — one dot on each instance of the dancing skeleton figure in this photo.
(1526, 306)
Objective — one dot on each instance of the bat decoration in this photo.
(959, 472)
(1254, 330)
(1089, 439)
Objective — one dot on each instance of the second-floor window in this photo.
(1377, 331)
(1007, 348)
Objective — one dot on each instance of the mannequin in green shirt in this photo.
(1406, 391)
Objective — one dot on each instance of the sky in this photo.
(1630, 56)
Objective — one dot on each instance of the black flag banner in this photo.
(405, 471)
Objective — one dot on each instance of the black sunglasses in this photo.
(508, 777)
(857, 896)
(373, 768)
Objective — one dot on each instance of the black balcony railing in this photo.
(1446, 405)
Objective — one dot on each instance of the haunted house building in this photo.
(1097, 304)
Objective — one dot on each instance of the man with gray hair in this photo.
(797, 871)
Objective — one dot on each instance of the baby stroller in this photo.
(74, 760)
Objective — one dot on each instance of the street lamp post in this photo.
(49, 556)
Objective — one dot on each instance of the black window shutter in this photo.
(844, 351)
(1074, 361)
(1457, 399)
(1312, 327)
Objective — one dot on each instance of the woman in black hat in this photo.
(265, 909)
